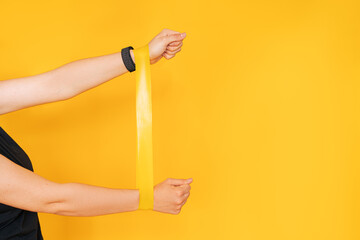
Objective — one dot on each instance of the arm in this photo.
(59, 84)
(76, 77)
(22, 188)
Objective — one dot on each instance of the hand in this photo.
(166, 44)
(171, 194)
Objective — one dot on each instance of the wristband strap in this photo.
(128, 62)
(144, 160)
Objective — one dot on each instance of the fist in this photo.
(171, 195)
(166, 44)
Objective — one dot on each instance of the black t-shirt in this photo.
(15, 223)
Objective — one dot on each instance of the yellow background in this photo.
(261, 108)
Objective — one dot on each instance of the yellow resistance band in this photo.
(144, 161)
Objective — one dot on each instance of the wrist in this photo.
(136, 199)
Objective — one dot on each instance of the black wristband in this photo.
(128, 62)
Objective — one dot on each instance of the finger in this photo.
(185, 188)
(172, 52)
(186, 196)
(174, 37)
(168, 56)
(167, 31)
(183, 202)
(174, 181)
(172, 48)
(176, 43)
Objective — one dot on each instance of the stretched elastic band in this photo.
(144, 161)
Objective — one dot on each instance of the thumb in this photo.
(173, 181)
(175, 37)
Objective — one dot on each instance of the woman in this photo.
(24, 193)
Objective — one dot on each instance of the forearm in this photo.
(87, 200)
(61, 83)
(82, 75)
(24, 189)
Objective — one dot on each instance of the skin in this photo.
(24, 189)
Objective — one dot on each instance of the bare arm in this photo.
(22, 188)
(76, 77)
(59, 84)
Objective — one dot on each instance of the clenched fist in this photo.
(171, 195)
(166, 44)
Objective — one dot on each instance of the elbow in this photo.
(65, 96)
(57, 88)
(60, 209)
(62, 93)
(57, 208)
(64, 203)
(59, 204)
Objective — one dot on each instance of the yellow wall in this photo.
(261, 108)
